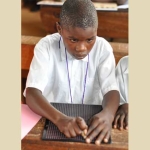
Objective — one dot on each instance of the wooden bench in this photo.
(27, 46)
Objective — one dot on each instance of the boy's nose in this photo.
(81, 47)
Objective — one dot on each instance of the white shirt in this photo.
(122, 79)
(48, 72)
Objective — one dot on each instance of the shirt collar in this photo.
(63, 55)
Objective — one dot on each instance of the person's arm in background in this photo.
(121, 118)
(38, 77)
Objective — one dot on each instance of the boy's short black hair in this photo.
(78, 13)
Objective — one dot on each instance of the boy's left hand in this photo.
(121, 118)
(100, 126)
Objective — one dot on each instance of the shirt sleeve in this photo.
(120, 73)
(38, 72)
(106, 69)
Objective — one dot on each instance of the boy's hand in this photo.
(71, 126)
(100, 126)
(121, 118)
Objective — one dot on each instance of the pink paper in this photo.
(28, 120)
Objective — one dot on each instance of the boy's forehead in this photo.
(80, 32)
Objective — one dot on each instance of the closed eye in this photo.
(89, 40)
(73, 40)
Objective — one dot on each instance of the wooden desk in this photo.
(112, 24)
(32, 141)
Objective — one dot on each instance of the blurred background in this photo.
(31, 23)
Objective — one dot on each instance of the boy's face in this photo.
(78, 41)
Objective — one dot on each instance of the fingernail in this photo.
(105, 140)
(115, 126)
(97, 142)
(85, 131)
(79, 119)
(88, 140)
(83, 135)
(126, 128)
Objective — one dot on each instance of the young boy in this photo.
(121, 118)
(74, 66)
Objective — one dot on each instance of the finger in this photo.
(101, 137)
(91, 128)
(95, 132)
(116, 121)
(84, 133)
(127, 127)
(89, 121)
(121, 121)
(126, 122)
(81, 123)
(88, 140)
(107, 136)
(67, 134)
(72, 132)
(93, 124)
(77, 129)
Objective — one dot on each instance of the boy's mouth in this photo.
(80, 56)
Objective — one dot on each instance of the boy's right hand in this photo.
(71, 126)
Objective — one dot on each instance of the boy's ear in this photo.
(59, 29)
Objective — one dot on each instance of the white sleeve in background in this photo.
(122, 79)
(106, 70)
